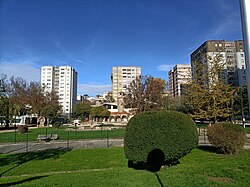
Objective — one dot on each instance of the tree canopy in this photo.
(208, 94)
(82, 110)
(99, 113)
(21, 98)
(145, 94)
(241, 106)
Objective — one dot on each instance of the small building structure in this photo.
(117, 115)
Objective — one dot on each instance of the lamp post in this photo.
(242, 109)
(245, 19)
(15, 131)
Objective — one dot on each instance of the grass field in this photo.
(63, 134)
(108, 167)
(247, 129)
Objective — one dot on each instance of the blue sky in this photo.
(94, 35)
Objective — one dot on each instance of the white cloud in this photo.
(28, 70)
(165, 67)
(79, 61)
(91, 46)
(93, 89)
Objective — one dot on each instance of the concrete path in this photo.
(80, 144)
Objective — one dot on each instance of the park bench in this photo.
(48, 137)
(86, 127)
(54, 136)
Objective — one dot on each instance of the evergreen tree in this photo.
(208, 94)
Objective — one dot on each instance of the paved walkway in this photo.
(80, 144)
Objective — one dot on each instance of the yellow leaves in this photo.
(208, 93)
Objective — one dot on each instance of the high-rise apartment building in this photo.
(232, 52)
(121, 77)
(63, 80)
(178, 77)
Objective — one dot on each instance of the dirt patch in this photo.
(220, 179)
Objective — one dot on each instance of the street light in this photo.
(245, 19)
(242, 109)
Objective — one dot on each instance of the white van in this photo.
(24, 120)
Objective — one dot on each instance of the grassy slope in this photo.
(62, 133)
(108, 167)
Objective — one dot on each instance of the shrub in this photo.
(228, 138)
(168, 135)
(22, 129)
(57, 124)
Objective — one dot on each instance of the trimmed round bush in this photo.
(228, 138)
(56, 124)
(169, 134)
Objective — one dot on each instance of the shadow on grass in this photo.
(21, 158)
(209, 148)
(159, 180)
(22, 181)
(155, 160)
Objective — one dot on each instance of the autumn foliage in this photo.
(145, 94)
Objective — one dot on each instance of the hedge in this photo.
(169, 134)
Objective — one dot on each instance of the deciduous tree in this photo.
(99, 113)
(36, 98)
(145, 94)
(240, 106)
(109, 98)
(4, 100)
(82, 110)
(52, 108)
(179, 104)
(24, 98)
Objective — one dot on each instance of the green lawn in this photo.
(204, 126)
(247, 129)
(63, 134)
(108, 167)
